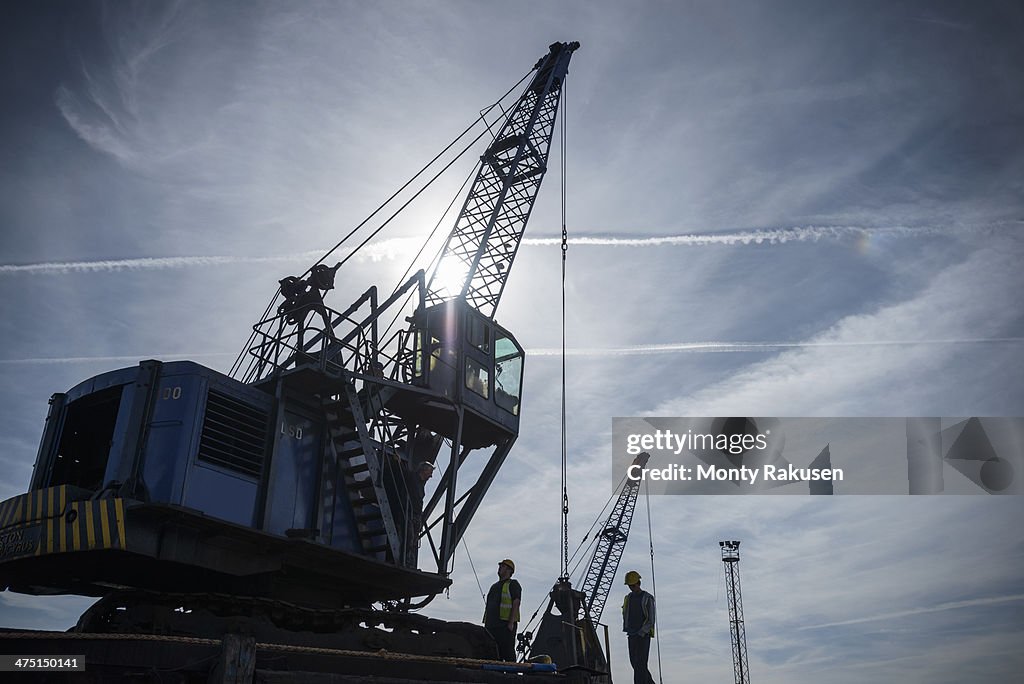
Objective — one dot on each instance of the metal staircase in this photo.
(361, 470)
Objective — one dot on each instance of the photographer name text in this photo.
(707, 473)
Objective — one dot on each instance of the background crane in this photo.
(611, 542)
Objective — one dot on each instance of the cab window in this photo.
(478, 378)
(508, 374)
(478, 333)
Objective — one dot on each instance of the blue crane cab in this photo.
(470, 360)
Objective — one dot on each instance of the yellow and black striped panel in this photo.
(35, 506)
(45, 522)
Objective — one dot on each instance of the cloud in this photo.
(108, 108)
(962, 302)
(105, 136)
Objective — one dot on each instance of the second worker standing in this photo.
(501, 614)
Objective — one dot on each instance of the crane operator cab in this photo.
(471, 361)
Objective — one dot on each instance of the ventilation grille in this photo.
(234, 435)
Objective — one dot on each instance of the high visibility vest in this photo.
(505, 609)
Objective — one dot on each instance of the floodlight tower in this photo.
(731, 558)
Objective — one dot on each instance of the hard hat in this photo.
(509, 563)
(427, 464)
(632, 577)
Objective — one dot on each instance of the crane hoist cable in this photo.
(565, 248)
(654, 584)
(564, 504)
(576, 555)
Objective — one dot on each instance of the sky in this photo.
(777, 208)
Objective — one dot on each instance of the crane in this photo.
(611, 541)
(288, 489)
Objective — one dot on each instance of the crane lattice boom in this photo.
(611, 542)
(478, 254)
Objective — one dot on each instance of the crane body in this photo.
(288, 491)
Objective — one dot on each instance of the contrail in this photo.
(735, 347)
(399, 247)
(951, 605)
(768, 236)
(48, 360)
(146, 263)
(375, 251)
(634, 350)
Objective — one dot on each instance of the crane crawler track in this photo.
(210, 615)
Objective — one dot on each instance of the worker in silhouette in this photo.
(638, 624)
(416, 483)
(371, 389)
(417, 486)
(501, 614)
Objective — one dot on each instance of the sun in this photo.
(449, 277)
